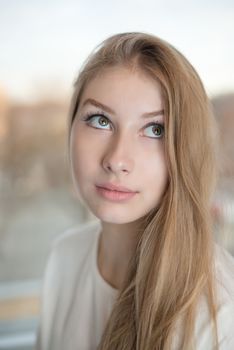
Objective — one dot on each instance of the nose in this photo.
(118, 158)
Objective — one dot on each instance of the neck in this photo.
(116, 246)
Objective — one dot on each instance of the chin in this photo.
(119, 216)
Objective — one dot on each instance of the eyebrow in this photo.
(109, 110)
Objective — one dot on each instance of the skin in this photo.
(122, 151)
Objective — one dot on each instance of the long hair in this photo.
(172, 269)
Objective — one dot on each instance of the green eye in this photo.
(157, 130)
(103, 121)
(97, 121)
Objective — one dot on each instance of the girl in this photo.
(146, 274)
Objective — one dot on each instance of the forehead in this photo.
(126, 85)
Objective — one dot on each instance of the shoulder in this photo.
(76, 240)
(69, 250)
(67, 254)
(224, 283)
(224, 267)
(224, 272)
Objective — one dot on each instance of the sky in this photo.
(43, 43)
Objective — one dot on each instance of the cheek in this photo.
(157, 182)
(79, 152)
(157, 172)
(85, 152)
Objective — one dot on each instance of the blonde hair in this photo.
(173, 268)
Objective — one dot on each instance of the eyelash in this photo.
(87, 118)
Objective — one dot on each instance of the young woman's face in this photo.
(122, 143)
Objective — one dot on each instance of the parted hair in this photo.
(172, 270)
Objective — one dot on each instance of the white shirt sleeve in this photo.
(49, 298)
(225, 314)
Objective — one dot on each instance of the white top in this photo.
(77, 301)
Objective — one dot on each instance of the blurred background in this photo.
(42, 46)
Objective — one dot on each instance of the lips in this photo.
(115, 193)
(113, 187)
